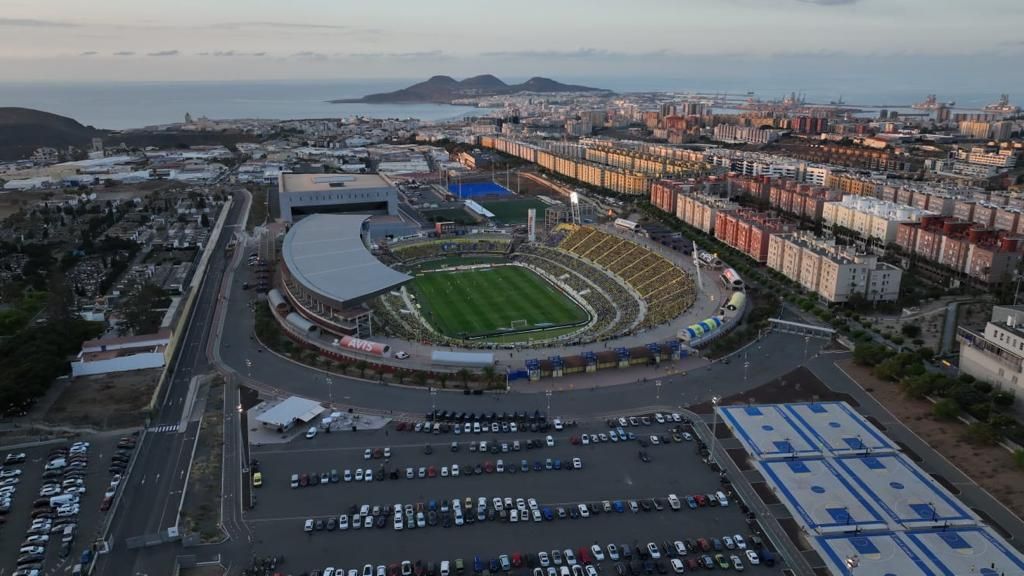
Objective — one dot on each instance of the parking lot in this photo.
(31, 508)
(611, 471)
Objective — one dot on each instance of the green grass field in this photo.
(514, 211)
(473, 303)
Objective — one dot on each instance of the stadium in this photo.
(580, 285)
(579, 298)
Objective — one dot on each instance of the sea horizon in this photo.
(125, 105)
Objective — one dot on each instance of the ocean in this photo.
(121, 105)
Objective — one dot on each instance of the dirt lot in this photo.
(105, 402)
(991, 467)
(201, 512)
(800, 385)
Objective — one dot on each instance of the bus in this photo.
(732, 279)
(627, 225)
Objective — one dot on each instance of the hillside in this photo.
(22, 130)
(445, 89)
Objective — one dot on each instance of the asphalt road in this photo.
(610, 471)
(154, 491)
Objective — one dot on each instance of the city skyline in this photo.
(60, 40)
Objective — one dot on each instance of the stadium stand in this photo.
(417, 251)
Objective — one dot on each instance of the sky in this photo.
(912, 42)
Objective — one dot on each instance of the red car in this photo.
(393, 569)
(701, 500)
(304, 480)
(583, 555)
(106, 504)
(400, 426)
(488, 467)
(517, 560)
(575, 439)
(704, 544)
(431, 472)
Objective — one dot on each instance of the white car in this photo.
(740, 542)
(343, 522)
(673, 501)
(399, 521)
(680, 548)
(455, 470)
(308, 527)
(558, 424)
(737, 564)
(676, 417)
(613, 552)
(585, 439)
(500, 466)
(753, 558)
(513, 515)
(348, 475)
(311, 433)
(577, 463)
(549, 441)
(659, 418)
(543, 558)
(387, 452)
(591, 571)
(584, 511)
(597, 552)
(655, 440)
(359, 474)
(498, 505)
(533, 505)
(444, 471)
(677, 566)
(401, 355)
(570, 558)
(653, 550)
(368, 475)
(367, 454)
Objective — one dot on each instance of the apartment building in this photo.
(876, 221)
(986, 255)
(996, 355)
(746, 134)
(749, 230)
(834, 273)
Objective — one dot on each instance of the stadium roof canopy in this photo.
(325, 253)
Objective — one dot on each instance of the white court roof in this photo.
(290, 410)
(325, 253)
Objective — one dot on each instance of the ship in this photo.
(932, 103)
(1003, 105)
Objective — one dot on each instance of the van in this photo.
(69, 533)
(63, 499)
(56, 464)
(767, 557)
(76, 570)
(459, 566)
(444, 568)
(722, 500)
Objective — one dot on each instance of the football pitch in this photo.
(499, 300)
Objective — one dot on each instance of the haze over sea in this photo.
(120, 105)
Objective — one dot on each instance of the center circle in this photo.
(767, 427)
(896, 485)
(818, 489)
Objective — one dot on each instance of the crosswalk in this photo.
(164, 428)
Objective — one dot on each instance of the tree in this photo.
(143, 309)
(420, 378)
(911, 330)
(463, 375)
(489, 375)
(870, 354)
(946, 409)
(362, 365)
(401, 374)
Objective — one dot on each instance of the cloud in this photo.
(89, 53)
(431, 54)
(282, 26)
(124, 53)
(308, 55)
(164, 53)
(231, 53)
(581, 53)
(33, 23)
(830, 2)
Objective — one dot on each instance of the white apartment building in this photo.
(748, 134)
(870, 218)
(700, 211)
(997, 354)
(833, 273)
(1001, 158)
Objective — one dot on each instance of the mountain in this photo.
(22, 130)
(445, 89)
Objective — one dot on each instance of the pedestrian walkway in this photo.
(165, 428)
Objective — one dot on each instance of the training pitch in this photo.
(489, 301)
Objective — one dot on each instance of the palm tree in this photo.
(463, 375)
(361, 365)
(489, 375)
(420, 378)
(401, 373)
(443, 378)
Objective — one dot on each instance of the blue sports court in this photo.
(477, 189)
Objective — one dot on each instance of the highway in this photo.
(152, 495)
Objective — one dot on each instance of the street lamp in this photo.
(433, 404)
(714, 424)
(330, 389)
(807, 341)
(746, 365)
(548, 394)
(657, 390)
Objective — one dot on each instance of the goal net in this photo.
(519, 324)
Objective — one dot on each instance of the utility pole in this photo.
(714, 425)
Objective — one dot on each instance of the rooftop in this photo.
(326, 254)
(327, 182)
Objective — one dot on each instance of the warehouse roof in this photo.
(325, 253)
